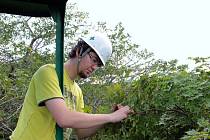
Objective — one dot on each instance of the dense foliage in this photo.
(170, 102)
(167, 105)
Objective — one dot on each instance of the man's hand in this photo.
(115, 107)
(120, 113)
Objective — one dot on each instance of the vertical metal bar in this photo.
(58, 13)
(59, 62)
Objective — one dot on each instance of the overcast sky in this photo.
(172, 29)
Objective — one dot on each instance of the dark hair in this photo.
(79, 44)
(82, 44)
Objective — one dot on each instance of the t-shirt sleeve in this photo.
(46, 85)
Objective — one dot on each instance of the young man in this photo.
(44, 104)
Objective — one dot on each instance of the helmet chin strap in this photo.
(81, 55)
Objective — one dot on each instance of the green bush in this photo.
(166, 107)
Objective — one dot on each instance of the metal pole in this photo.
(58, 16)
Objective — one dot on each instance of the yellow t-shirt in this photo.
(35, 121)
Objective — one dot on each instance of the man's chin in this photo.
(82, 75)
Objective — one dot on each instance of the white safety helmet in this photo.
(100, 44)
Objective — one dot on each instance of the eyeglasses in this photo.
(95, 60)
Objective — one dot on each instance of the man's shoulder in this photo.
(47, 66)
(46, 69)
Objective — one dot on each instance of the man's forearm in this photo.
(72, 119)
(83, 120)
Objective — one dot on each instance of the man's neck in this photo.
(70, 66)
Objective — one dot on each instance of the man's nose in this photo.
(94, 67)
